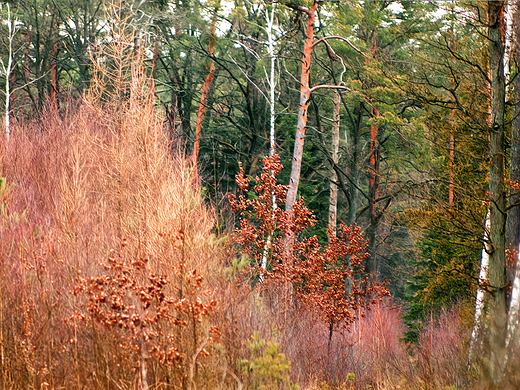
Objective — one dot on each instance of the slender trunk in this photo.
(7, 109)
(54, 76)
(175, 138)
(354, 169)
(497, 189)
(144, 357)
(451, 147)
(200, 111)
(7, 71)
(451, 184)
(26, 56)
(205, 90)
(476, 339)
(272, 145)
(373, 192)
(514, 310)
(302, 112)
(513, 214)
(333, 199)
(301, 125)
(331, 332)
(271, 42)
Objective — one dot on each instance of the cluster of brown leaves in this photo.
(330, 279)
(327, 279)
(130, 297)
(261, 216)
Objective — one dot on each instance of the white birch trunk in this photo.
(270, 22)
(7, 71)
(270, 37)
(484, 263)
(7, 108)
(514, 306)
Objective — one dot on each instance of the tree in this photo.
(496, 301)
(7, 69)
(205, 87)
(322, 277)
(513, 216)
(305, 93)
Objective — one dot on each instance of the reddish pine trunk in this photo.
(200, 111)
(374, 174)
(373, 193)
(205, 90)
(452, 158)
(301, 125)
(302, 112)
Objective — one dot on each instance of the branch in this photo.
(330, 87)
(29, 83)
(342, 39)
(298, 7)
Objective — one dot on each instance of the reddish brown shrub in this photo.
(322, 277)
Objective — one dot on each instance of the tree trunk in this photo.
(272, 145)
(475, 341)
(205, 89)
(26, 56)
(53, 70)
(271, 43)
(451, 183)
(7, 71)
(333, 199)
(373, 184)
(497, 190)
(354, 166)
(302, 112)
(513, 214)
(301, 125)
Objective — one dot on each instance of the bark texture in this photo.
(513, 214)
(373, 184)
(302, 112)
(354, 170)
(475, 342)
(205, 90)
(333, 198)
(497, 190)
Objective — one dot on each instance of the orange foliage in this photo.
(327, 280)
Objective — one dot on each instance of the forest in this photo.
(259, 194)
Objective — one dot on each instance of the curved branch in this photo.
(329, 87)
(341, 39)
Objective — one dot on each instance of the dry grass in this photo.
(85, 180)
